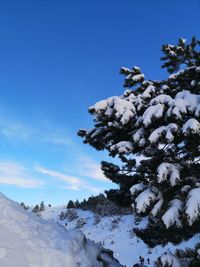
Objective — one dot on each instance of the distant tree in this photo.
(70, 205)
(84, 201)
(24, 206)
(36, 209)
(62, 215)
(76, 204)
(42, 206)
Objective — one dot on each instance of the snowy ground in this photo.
(126, 246)
(29, 241)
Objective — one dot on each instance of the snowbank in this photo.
(29, 241)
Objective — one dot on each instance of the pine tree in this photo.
(76, 204)
(42, 206)
(36, 209)
(62, 216)
(154, 129)
(24, 206)
(70, 205)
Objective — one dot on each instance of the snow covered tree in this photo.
(154, 129)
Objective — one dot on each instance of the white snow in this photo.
(162, 99)
(185, 188)
(149, 90)
(184, 101)
(137, 188)
(197, 112)
(168, 170)
(151, 113)
(123, 109)
(29, 241)
(138, 77)
(138, 135)
(123, 147)
(193, 205)
(191, 125)
(191, 100)
(144, 200)
(121, 240)
(157, 207)
(164, 130)
(174, 75)
(100, 106)
(172, 215)
(170, 260)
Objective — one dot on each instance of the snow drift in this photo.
(27, 240)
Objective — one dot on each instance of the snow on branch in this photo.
(157, 207)
(162, 99)
(123, 147)
(121, 108)
(193, 205)
(184, 101)
(170, 260)
(138, 135)
(167, 131)
(144, 200)
(171, 216)
(191, 126)
(132, 77)
(148, 91)
(168, 171)
(137, 188)
(152, 112)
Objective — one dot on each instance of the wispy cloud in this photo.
(72, 182)
(61, 176)
(58, 137)
(82, 173)
(90, 168)
(18, 131)
(12, 173)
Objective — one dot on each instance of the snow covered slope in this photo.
(115, 233)
(29, 241)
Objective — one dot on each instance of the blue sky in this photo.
(56, 59)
